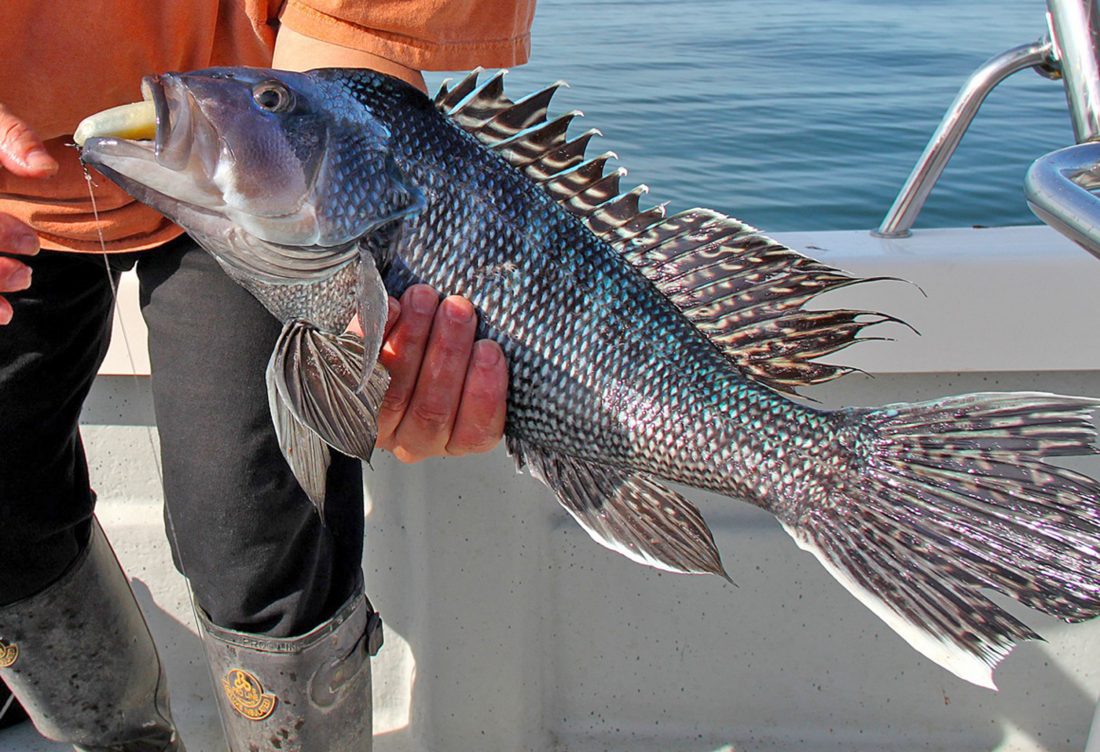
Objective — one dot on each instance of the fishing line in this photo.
(117, 315)
(153, 445)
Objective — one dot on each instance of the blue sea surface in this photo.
(800, 115)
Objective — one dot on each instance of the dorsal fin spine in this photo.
(447, 100)
(743, 290)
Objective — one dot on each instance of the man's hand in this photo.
(447, 391)
(21, 153)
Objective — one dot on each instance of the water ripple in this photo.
(801, 115)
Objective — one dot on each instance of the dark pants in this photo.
(252, 545)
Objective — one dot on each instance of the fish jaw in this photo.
(175, 167)
(202, 159)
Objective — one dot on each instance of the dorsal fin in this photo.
(745, 291)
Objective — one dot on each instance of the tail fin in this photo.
(950, 498)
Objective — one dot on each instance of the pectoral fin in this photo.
(627, 512)
(372, 303)
(314, 380)
(305, 452)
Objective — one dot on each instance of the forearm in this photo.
(298, 52)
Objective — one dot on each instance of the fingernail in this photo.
(40, 159)
(424, 300)
(458, 311)
(20, 279)
(25, 243)
(486, 354)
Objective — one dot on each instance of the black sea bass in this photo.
(642, 348)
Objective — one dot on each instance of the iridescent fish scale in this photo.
(605, 316)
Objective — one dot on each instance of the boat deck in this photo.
(508, 630)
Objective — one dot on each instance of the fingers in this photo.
(402, 352)
(429, 418)
(481, 411)
(14, 276)
(447, 394)
(21, 151)
(15, 238)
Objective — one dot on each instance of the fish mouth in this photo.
(171, 148)
(172, 143)
(183, 130)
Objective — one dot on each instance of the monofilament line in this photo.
(118, 317)
(153, 446)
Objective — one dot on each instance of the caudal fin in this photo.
(950, 499)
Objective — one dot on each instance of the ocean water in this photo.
(800, 115)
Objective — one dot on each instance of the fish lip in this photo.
(97, 149)
(185, 142)
(184, 134)
(152, 88)
(173, 108)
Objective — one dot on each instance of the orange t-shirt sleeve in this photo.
(421, 34)
(58, 89)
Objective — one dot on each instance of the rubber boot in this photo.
(79, 658)
(301, 694)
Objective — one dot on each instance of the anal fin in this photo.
(626, 512)
(372, 305)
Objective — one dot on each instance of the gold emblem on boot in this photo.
(9, 654)
(246, 695)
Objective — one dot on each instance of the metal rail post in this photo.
(1059, 186)
(899, 220)
(1075, 34)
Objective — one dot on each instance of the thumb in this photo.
(21, 150)
(392, 314)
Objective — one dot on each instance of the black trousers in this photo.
(258, 558)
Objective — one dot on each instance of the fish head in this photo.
(289, 158)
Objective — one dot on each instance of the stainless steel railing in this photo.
(899, 220)
(1059, 185)
(1059, 190)
(1075, 32)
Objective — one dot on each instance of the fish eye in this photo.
(273, 96)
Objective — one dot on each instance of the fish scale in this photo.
(592, 292)
(540, 407)
(642, 347)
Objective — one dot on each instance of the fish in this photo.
(644, 349)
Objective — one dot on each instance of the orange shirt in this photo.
(60, 62)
